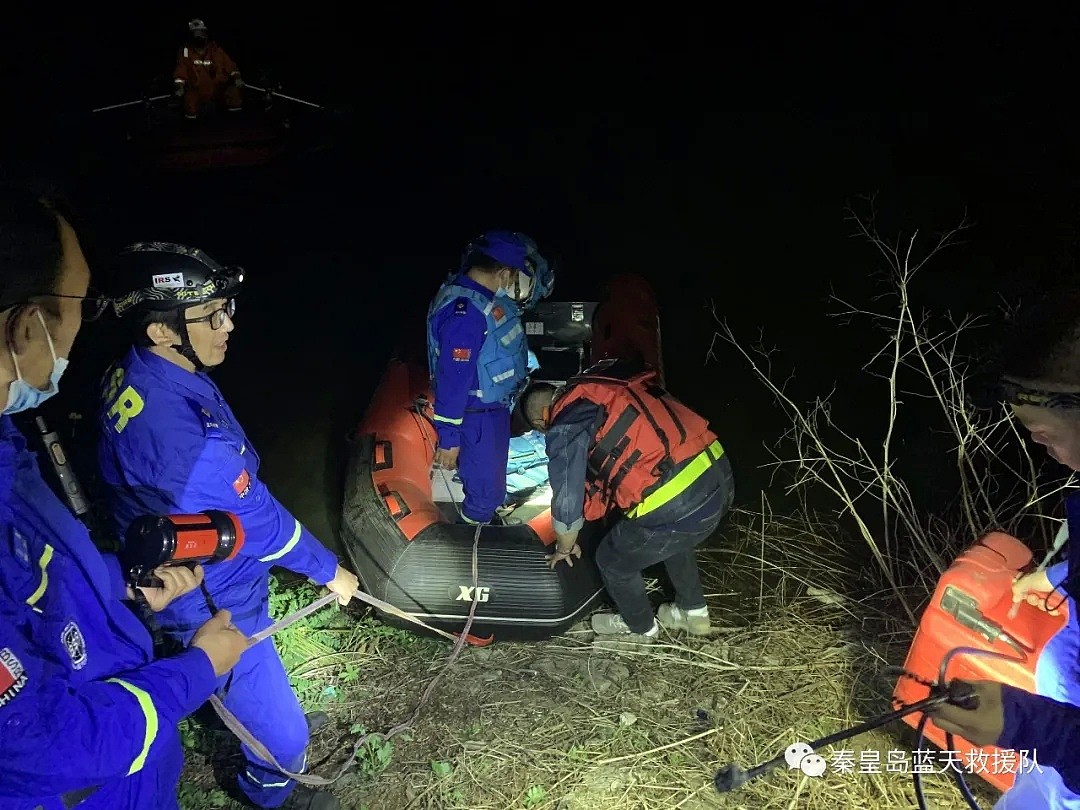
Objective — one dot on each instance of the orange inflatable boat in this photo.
(398, 522)
(171, 143)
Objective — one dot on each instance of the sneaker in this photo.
(308, 798)
(316, 721)
(673, 617)
(612, 624)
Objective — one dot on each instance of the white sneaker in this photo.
(612, 624)
(673, 617)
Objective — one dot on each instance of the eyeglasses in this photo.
(93, 303)
(217, 317)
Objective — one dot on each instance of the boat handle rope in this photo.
(246, 737)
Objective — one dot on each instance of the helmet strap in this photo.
(186, 350)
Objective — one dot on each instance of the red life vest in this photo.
(645, 433)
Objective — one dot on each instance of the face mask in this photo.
(502, 291)
(21, 395)
(519, 288)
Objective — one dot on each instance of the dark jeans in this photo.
(630, 548)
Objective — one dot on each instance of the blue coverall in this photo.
(170, 444)
(83, 703)
(667, 534)
(1057, 676)
(1051, 729)
(480, 429)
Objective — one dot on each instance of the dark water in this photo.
(720, 171)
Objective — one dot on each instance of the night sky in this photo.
(712, 150)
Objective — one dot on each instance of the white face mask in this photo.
(21, 395)
(519, 288)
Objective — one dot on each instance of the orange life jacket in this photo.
(645, 434)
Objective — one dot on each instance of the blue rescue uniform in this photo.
(478, 360)
(83, 703)
(1035, 725)
(1050, 729)
(171, 444)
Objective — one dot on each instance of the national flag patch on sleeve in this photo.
(12, 676)
(242, 485)
(462, 355)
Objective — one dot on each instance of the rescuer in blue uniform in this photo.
(1041, 382)
(88, 718)
(478, 360)
(170, 443)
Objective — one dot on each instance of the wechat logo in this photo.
(800, 755)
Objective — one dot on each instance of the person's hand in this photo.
(566, 548)
(344, 584)
(237, 80)
(983, 725)
(1025, 587)
(447, 459)
(176, 581)
(1037, 581)
(570, 554)
(222, 643)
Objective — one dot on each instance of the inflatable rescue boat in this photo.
(399, 513)
(170, 142)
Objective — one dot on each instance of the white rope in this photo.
(246, 737)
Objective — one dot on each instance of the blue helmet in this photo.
(519, 252)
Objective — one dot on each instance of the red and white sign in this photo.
(12, 676)
(242, 485)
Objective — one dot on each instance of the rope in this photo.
(246, 737)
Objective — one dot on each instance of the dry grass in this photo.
(568, 724)
(586, 727)
(925, 366)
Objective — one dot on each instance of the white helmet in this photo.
(196, 25)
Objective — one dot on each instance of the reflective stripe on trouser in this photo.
(1057, 676)
(675, 487)
(485, 445)
(262, 698)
